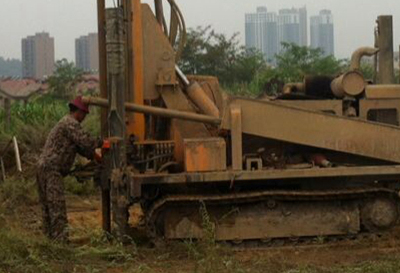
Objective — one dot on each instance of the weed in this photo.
(18, 190)
(72, 186)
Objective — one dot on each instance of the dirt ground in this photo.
(84, 214)
(87, 214)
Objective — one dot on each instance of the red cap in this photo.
(78, 103)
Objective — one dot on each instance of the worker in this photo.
(65, 140)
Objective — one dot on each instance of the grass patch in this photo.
(86, 188)
(17, 191)
(22, 252)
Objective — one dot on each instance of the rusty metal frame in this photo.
(352, 136)
(266, 176)
(334, 106)
(378, 104)
(137, 122)
(236, 138)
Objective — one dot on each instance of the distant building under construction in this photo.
(87, 53)
(38, 56)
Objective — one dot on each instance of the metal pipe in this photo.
(198, 96)
(105, 193)
(157, 111)
(358, 54)
(159, 12)
(385, 45)
(182, 76)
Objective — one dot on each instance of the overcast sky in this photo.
(66, 20)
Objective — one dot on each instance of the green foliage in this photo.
(10, 67)
(367, 70)
(293, 64)
(72, 186)
(245, 72)
(20, 252)
(211, 53)
(64, 79)
(31, 122)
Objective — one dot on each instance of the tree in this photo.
(210, 53)
(293, 64)
(62, 83)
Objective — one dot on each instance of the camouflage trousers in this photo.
(52, 199)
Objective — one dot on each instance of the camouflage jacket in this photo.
(65, 140)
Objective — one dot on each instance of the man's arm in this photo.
(82, 139)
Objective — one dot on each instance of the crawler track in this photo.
(355, 203)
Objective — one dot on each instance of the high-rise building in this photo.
(38, 56)
(292, 26)
(87, 52)
(303, 26)
(322, 32)
(262, 32)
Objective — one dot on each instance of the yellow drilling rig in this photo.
(321, 159)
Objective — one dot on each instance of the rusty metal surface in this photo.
(182, 129)
(385, 55)
(236, 138)
(159, 56)
(324, 131)
(265, 221)
(382, 91)
(380, 110)
(310, 219)
(157, 111)
(211, 87)
(204, 155)
(327, 106)
(136, 123)
(368, 173)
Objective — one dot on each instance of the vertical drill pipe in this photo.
(138, 128)
(105, 192)
(385, 55)
(116, 74)
(101, 17)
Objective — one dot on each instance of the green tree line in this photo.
(246, 72)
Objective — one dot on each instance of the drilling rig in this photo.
(320, 159)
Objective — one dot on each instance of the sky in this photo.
(66, 20)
